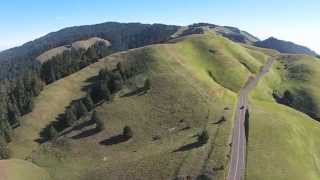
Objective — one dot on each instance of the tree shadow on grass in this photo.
(78, 127)
(86, 133)
(114, 140)
(190, 146)
(139, 92)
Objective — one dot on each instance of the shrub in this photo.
(203, 137)
(88, 102)
(147, 84)
(70, 118)
(104, 91)
(4, 152)
(52, 133)
(99, 123)
(127, 132)
(80, 108)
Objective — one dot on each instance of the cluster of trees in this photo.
(107, 83)
(72, 60)
(77, 110)
(16, 99)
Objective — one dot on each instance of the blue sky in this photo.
(294, 20)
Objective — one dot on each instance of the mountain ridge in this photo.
(285, 46)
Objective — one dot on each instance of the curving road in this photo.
(238, 152)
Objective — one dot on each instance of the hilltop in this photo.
(285, 46)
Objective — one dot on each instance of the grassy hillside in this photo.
(283, 142)
(293, 80)
(194, 81)
(15, 169)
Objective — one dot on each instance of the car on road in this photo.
(242, 107)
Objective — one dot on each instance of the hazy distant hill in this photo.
(285, 46)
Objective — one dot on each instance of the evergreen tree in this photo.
(88, 102)
(4, 152)
(203, 137)
(99, 123)
(70, 118)
(122, 70)
(147, 84)
(81, 109)
(127, 132)
(104, 91)
(53, 133)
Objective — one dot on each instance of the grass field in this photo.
(283, 142)
(15, 169)
(194, 82)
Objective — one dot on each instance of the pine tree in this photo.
(127, 132)
(147, 84)
(99, 123)
(105, 91)
(88, 102)
(53, 133)
(4, 152)
(203, 137)
(70, 117)
(81, 109)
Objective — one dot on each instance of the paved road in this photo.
(238, 152)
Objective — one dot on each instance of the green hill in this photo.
(282, 141)
(194, 83)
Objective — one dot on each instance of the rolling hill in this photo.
(285, 46)
(168, 85)
(282, 142)
(188, 94)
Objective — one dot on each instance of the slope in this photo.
(15, 169)
(188, 93)
(282, 142)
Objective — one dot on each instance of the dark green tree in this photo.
(100, 125)
(203, 137)
(147, 84)
(70, 118)
(127, 132)
(52, 133)
(81, 109)
(104, 91)
(4, 152)
(122, 70)
(88, 102)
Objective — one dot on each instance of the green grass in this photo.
(182, 94)
(229, 63)
(15, 169)
(283, 143)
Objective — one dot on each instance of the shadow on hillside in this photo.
(189, 147)
(114, 140)
(139, 92)
(78, 127)
(86, 133)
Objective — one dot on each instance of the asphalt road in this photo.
(238, 152)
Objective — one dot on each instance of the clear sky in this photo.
(294, 20)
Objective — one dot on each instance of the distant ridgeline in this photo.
(24, 70)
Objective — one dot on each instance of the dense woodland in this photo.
(72, 60)
(22, 77)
